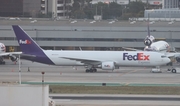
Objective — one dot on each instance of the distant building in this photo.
(125, 2)
(19, 8)
(11, 8)
(31, 8)
(170, 9)
(162, 13)
(58, 8)
(170, 4)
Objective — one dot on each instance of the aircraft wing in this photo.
(16, 54)
(131, 49)
(85, 61)
(10, 53)
(22, 54)
(4, 54)
(173, 54)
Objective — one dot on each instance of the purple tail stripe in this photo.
(29, 46)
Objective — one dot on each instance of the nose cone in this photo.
(3, 48)
(167, 60)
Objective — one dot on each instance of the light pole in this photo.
(42, 77)
(96, 10)
(42, 88)
(123, 12)
(19, 69)
(101, 13)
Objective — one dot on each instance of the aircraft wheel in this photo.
(91, 70)
(95, 70)
(1, 60)
(87, 70)
(173, 70)
(168, 69)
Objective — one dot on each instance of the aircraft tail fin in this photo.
(31, 50)
(27, 44)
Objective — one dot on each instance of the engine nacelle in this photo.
(108, 66)
(178, 59)
(13, 58)
(147, 42)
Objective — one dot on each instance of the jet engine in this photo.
(147, 42)
(108, 66)
(13, 58)
(178, 59)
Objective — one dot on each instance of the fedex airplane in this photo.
(157, 46)
(4, 53)
(106, 60)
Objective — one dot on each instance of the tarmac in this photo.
(32, 72)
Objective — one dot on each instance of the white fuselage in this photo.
(161, 46)
(121, 58)
(2, 48)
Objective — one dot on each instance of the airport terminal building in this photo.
(89, 34)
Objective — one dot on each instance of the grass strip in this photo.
(155, 90)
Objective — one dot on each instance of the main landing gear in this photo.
(2, 61)
(91, 70)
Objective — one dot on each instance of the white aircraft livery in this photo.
(4, 53)
(106, 60)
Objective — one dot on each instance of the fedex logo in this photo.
(24, 42)
(138, 56)
(107, 66)
(166, 45)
